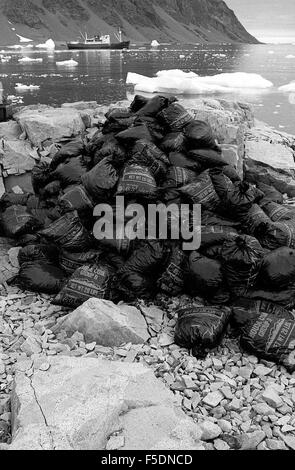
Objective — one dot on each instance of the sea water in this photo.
(101, 75)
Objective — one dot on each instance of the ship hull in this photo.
(82, 45)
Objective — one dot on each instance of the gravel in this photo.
(239, 401)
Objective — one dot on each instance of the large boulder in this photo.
(9, 266)
(15, 157)
(93, 404)
(274, 148)
(228, 119)
(105, 323)
(45, 123)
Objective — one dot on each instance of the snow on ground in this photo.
(179, 82)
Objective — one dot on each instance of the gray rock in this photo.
(263, 409)
(210, 431)
(289, 441)
(105, 323)
(250, 441)
(213, 399)
(262, 371)
(219, 444)
(274, 444)
(271, 397)
(46, 123)
(79, 403)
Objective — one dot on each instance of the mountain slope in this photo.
(187, 21)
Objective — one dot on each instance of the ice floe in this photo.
(155, 43)
(179, 82)
(29, 59)
(20, 86)
(290, 56)
(50, 44)
(22, 39)
(289, 88)
(68, 63)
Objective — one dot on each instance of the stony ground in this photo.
(246, 404)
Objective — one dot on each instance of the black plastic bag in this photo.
(201, 328)
(237, 197)
(111, 148)
(153, 106)
(132, 286)
(271, 193)
(245, 310)
(157, 131)
(39, 252)
(242, 257)
(272, 339)
(205, 276)
(182, 161)
(69, 150)
(41, 276)
(255, 222)
(68, 233)
(96, 142)
(138, 102)
(175, 117)
(137, 181)
(86, 282)
(77, 198)
(16, 221)
(207, 158)
(278, 269)
(41, 176)
(101, 180)
(147, 154)
(216, 234)
(274, 235)
(51, 190)
(11, 199)
(199, 135)
(201, 191)
(277, 212)
(178, 176)
(285, 298)
(210, 218)
(131, 135)
(172, 281)
(70, 172)
(173, 142)
(69, 262)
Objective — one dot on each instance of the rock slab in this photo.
(81, 403)
(105, 323)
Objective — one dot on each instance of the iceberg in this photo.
(289, 88)
(155, 43)
(20, 86)
(189, 83)
(50, 45)
(29, 59)
(22, 39)
(68, 63)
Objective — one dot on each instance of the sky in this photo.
(268, 20)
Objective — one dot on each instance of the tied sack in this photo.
(201, 328)
(242, 257)
(86, 282)
(137, 181)
(201, 191)
(271, 338)
(68, 233)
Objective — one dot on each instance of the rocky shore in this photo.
(63, 389)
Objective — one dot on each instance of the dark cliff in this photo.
(187, 21)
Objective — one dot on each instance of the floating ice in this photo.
(155, 43)
(179, 82)
(16, 46)
(68, 63)
(182, 56)
(271, 52)
(29, 59)
(50, 45)
(22, 39)
(20, 86)
(290, 56)
(290, 88)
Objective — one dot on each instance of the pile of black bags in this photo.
(155, 152)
